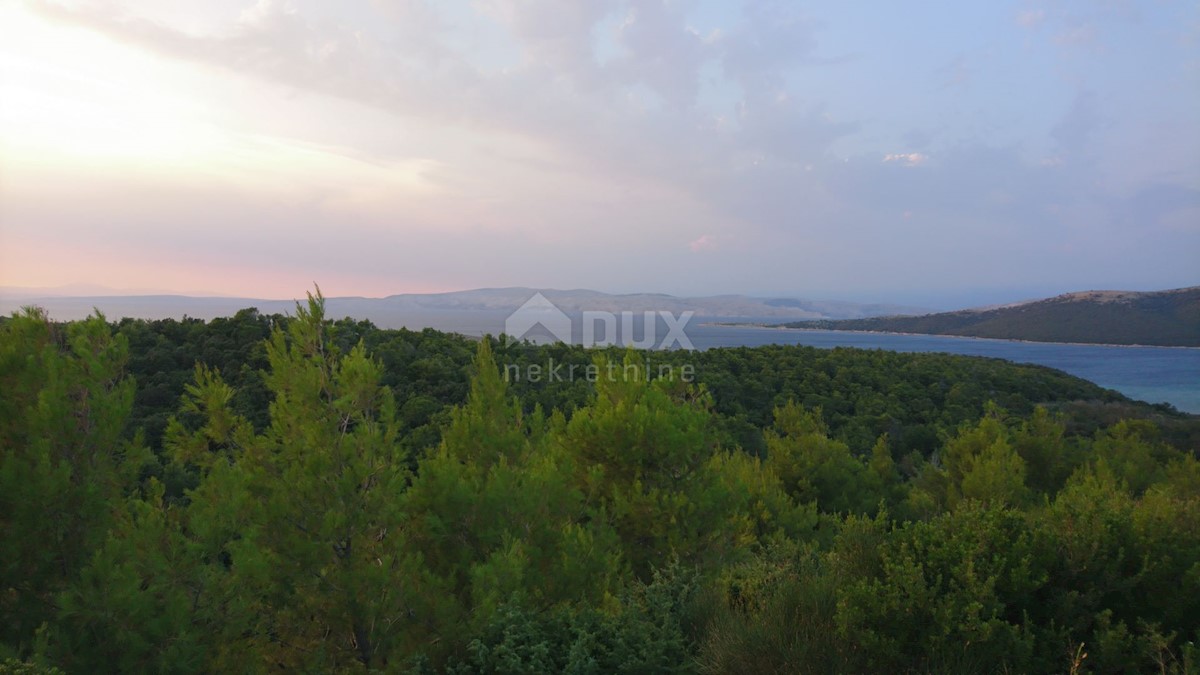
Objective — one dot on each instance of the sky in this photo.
(937, 153)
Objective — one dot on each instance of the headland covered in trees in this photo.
(266, 493)
(1163, 318)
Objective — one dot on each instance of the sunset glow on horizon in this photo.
(388, 146)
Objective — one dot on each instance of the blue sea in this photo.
(1153, 374)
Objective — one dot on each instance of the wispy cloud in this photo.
(534, 125)
(705, 242)
(907, 158)
(1031, 18)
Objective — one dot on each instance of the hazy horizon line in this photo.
(982, 297)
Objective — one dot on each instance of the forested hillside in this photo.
(274, 494)
(1166, 318)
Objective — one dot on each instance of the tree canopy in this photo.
(260, 494)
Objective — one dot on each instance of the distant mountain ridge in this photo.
(578, 300)
(1162, 318)
(407, 309)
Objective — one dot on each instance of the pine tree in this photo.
(63, 461)
(495, 515)
(288, 553)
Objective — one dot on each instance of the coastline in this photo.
(765, 326)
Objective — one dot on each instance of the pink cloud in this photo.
(705, 242)
(1030, 18)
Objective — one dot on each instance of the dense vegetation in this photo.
(1166, 318)
(261, 494)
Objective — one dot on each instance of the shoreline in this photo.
(765, 326)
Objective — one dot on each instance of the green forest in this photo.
(297, 494)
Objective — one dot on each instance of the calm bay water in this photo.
(1154, 374)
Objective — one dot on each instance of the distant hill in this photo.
(578, 300)
(1166, 318)
(414, 310)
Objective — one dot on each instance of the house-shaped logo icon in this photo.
(538, 311)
